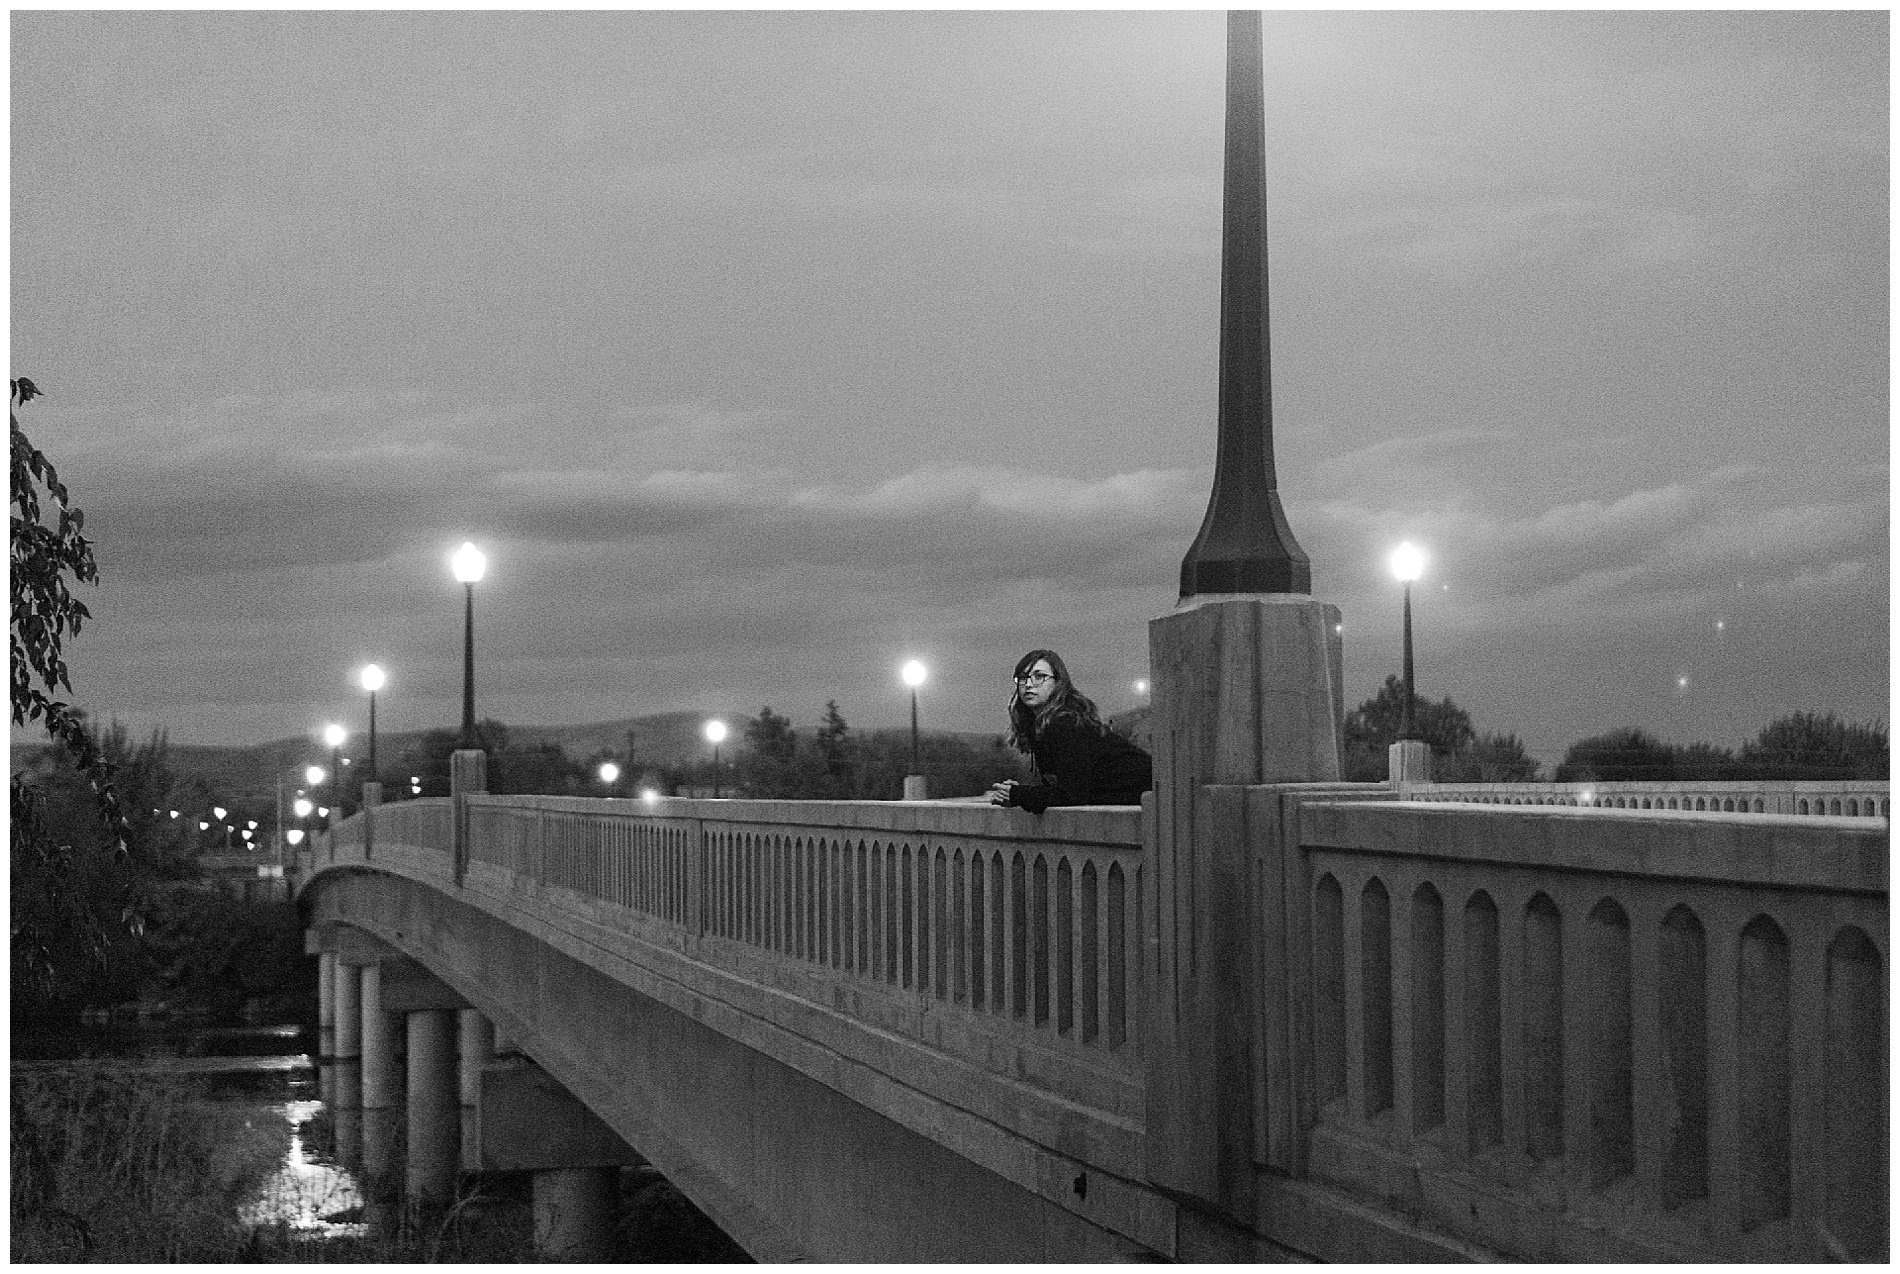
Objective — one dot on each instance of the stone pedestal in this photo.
(1408, 762)
(475, 1049)
(1246, 691)
(916, 787)
(468, 776)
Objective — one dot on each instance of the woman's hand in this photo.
(999, 794)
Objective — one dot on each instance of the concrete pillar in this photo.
(916, 787)
(379, 1044)
(477, 1049)
(326, 1005)
(434, 1109)
(1246, 692)
(348, 1045)
(574, 1214)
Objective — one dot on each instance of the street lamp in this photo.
(372, 678)
(334, 735)
(609, 772)
(468, 565)
(914, 674)
(716, 734)
(1408, 564)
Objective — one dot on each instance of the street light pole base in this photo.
(1408, 761)
(916, 788)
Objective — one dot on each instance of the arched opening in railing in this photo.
(1543, 1029)
(1428, 1009)
(1682, 1000)
(1375, 996)
(1483, 1025)
(1609, 1079)
(1854, 1096)
(1329, 991)
(1763, 1095)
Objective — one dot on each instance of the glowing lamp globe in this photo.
(313, 775)
(609, 772)
(715, 732)
(372, 678)
(914, 674)
(468, 563)
(334, 735)
(1408, 563)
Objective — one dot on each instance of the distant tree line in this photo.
(1800, 745)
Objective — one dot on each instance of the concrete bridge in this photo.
(1383, 1029)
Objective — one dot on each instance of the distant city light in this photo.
(203, 826)
(302, 808)
(1587, 797)
(252, 824)
(1141, 686)
(648, 795)
(294, 835)
(246, 833)
(323, 811)
(218, 812)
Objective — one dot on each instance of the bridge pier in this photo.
(530, 1122)
(326, 1006)
(574, 1214)
(347, 988)
(475, 1049)
(379, 1043)
(433, 1160)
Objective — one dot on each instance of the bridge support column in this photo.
(326, 1006)
(574, 1214)
(434, 1108)
(348, 1010)
(379, 1044)
(1246, 692)
(476, 1049)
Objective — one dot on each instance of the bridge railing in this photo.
(1663, 1028)
(989, 934)
(1852, 798)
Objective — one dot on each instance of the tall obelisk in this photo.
(1246, 695)
(1245, 544)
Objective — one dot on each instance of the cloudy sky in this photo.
(764, 351)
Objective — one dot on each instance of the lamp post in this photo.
(372, 678)
(468, 563)
(914, 674)
(716, 734)
(334, 735)
(1408, 564)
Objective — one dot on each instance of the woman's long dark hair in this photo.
(1067, 703)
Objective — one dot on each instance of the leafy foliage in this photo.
(836, 764)
(1803, 745)
(45, 563)
(1459, 753)
(1800, 745)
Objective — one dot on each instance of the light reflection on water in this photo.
(307, 1194)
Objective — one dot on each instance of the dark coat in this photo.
(1078, 765)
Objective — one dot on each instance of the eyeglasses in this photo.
(1035, 679)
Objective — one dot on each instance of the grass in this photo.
(112, 1167)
